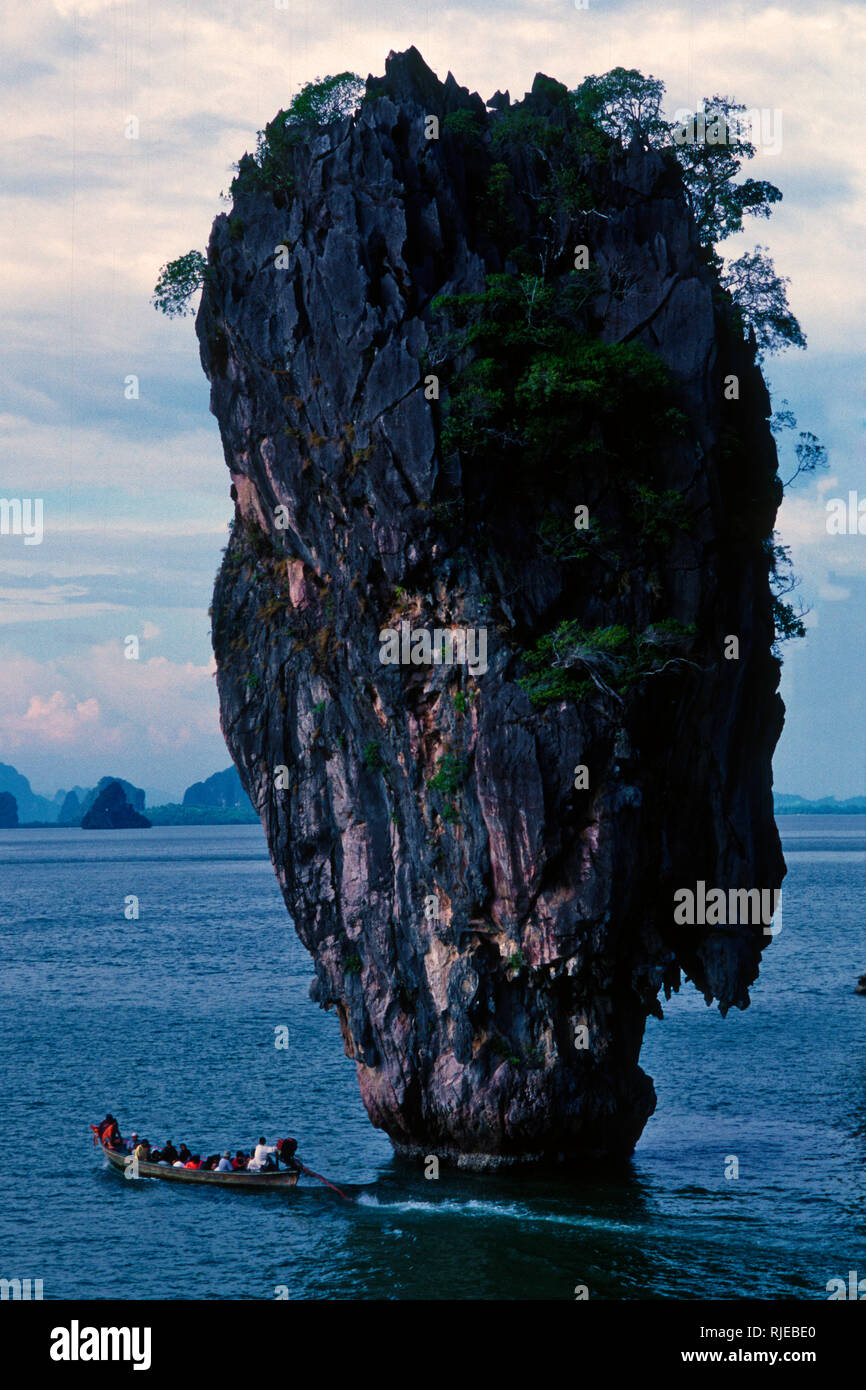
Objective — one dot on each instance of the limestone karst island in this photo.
(477, 376)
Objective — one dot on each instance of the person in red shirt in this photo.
(195, 1162)
(108, 1132)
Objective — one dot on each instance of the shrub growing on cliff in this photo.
(316, 104)
(787, 621)
(566, 663)
(540, 384)
(463, 122)
(449, 776)
(526, 128)
(569, 662)
(177, 283)
(373, 760)
(811, 456)
(352, 964)
(810, 452)
(658, 516)
(787, 617)
(463, 700)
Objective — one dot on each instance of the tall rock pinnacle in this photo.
(496, 522)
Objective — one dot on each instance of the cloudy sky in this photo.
(135, 490)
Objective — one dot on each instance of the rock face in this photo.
(492, 926)
(8, 811)
(112, 811)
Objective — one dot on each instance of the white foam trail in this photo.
(508, 1211)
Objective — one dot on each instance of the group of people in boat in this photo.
(262, 1158)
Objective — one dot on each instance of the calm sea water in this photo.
(169, 1022)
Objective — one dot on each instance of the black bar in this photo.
(427, 1341)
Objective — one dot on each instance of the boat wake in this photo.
(478, 1208)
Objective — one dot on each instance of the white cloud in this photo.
(95, 702)
(833, 593)
(57, 719)
(93, 456)
(23, 569)
(39, 608)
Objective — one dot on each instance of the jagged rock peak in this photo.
(409, 81)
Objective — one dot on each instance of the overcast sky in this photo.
(136, 492)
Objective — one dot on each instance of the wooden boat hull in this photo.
(255, 1182)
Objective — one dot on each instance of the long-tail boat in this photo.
(269, 1178)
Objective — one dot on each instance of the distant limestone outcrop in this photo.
(134, 795)
(112, 811)
(222, 789)
(8, 811)
(70, 811)
(826, 806)
(31, 807)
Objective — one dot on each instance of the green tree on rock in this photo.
(177, 283)
(624, 104)
(326, 99)
(761, 300)
(316, 104)
(710, 151)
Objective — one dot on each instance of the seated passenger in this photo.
(184, 1154)
(169, 1152)
(263, 1158)
(142, 1151)
(225, 1164)
(194, 1162)
(239, 1160)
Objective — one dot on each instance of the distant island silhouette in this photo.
(112, 811)
(217, 800)
(221, 800)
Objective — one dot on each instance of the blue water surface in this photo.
(169, 1021)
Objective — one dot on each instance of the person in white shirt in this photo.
(224, 1165)
(259, 1160)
